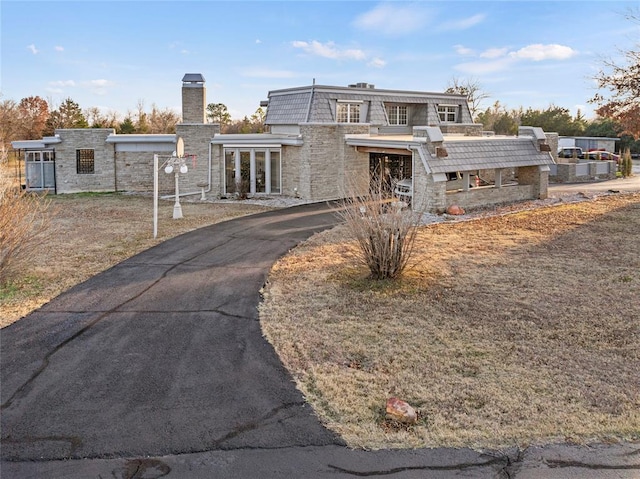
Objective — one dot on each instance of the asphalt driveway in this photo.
(158, 368)
(161, 354)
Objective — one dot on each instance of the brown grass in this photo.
(92, 232)
(507, 330)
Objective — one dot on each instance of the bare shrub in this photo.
(24, 220)
(384, 228)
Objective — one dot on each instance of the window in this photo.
(348, 112)
(448, 113)
(253, 170)
(397, 114)
(85, 164)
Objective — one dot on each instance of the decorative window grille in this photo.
(448, 113)
(85, 163)
(397, 114)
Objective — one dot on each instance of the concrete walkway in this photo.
(158, 368)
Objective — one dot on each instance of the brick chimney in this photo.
(194, 98)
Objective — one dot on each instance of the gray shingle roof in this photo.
(315, 103)
(288, 109)
(481, 154)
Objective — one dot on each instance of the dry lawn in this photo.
(508, 330)
(92, 232)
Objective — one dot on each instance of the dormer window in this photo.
(448, 113)
(348, 112)
(397, 114)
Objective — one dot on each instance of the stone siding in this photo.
(67, 178)
(566, 173)
(478, 197)
(466, 129)
(197, 139)
(194, 99)
(327, 164)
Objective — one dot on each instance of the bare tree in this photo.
(471, 89)
(623, 82)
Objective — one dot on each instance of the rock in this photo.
(401, 411)
(455, 210)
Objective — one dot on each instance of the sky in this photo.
(116, 55)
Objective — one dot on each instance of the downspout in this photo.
(115, 169)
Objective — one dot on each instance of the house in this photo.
(323, 143)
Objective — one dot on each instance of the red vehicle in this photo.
(603, 155)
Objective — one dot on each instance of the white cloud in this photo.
(258, 41)
(62, 83)
(463, 23)
(538, 52)
(393, 19)
(494, 53)
(329, 50)
(58, 48)
(462, 50)
(377, 63)
(32, 48)
(100, 83)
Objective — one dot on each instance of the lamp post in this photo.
(176, 165)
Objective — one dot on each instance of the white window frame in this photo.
(348, 111)
(448, 113)
(398, 115)
(267, 150)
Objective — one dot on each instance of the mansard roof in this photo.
(314, 103)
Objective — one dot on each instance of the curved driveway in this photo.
(157, 367)
(161, 354)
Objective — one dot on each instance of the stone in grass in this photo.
(455, 210)
(401, 411)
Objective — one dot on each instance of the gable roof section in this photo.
(484, 154)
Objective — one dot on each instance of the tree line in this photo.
(32, 118)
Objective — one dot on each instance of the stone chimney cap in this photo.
(192, 78)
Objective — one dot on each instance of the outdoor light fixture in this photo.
(176, 165)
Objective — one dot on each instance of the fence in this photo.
(583, 172)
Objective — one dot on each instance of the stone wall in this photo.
(467, 129)
(197, 139)
(134, 172)
(103, 177)
(478, 197)
(567, 172)
(327, 164)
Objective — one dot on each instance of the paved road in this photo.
(157, 368)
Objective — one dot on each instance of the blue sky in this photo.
(115, 54)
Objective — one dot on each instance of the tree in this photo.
(218, 113)
(622, 104)
(68, 115)
(33, 113)
(142, 120)
(97, 119)
(127, 126)
(471, 89)
(554, 118)
(497, 119)
(163, 121)
(9, 124)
